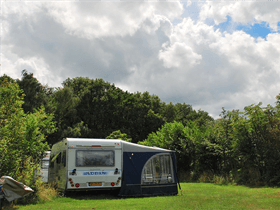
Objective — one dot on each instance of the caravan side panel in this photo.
(57, 167)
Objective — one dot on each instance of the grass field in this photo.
(192, 196)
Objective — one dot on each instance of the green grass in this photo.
(193, 196)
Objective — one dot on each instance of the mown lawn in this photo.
(193, 196)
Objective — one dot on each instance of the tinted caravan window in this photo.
(63, 158)
(158, 170)
(86, 158)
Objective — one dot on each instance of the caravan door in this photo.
(94, 164)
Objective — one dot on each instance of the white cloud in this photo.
(228, 70)
(248, 12)
(97, 39)
(36, 65)
(98, 19)
(179, 55)
(136, 46)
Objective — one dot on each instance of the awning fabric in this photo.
(13, 189)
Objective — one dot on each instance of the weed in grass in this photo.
(210, 177)
(206, 177)
(46, 193)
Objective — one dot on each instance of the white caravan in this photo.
(45, 166)
(78, 163)
(91, 164)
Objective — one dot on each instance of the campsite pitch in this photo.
(194, 196)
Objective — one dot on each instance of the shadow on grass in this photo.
(94, 195)
(6, 205)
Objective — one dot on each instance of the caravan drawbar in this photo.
(92, 164)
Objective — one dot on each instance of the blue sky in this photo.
(257, 29)
(253, 29)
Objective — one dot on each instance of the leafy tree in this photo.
(65, 114)
(22, 136)
(36, 95)
(223, 141)
(257, 144)
(168, 112)
(119, 135)
(184, 113)
(188, 142)
(78, 130)
(11, 122)
(6, 78)
(104, 108)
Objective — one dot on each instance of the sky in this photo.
(209, 54)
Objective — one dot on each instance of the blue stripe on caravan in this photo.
(98, 173)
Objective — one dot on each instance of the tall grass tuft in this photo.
(45, 192)
(223, 180)
(207, 177)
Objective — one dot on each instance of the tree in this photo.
(223, 143)
(35, 93)
(104, 108)
(188, 142)
(119, 135)
(22, 141)
(77, 131)
(257, 144)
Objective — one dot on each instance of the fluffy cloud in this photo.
(85, 39)
(248, 12)
(210, 69)
(94, 20)
(178, 55)
(137, 47)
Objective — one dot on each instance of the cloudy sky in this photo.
(209, 54)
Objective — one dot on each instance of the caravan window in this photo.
(85, 158)
(58, 158)
(158, 170)
(63, 158)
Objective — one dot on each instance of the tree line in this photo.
(85, 107)
(244, 145)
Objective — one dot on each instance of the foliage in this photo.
(256, 137)
(76, 131)
(188, 142)
(36, 95)
(22, 135)
(103, 108)
(119, 135)
(244, 146)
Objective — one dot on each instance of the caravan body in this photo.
(45, 166)
(84, 164)
(91, 164)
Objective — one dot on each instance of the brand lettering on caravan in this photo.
(98, 173)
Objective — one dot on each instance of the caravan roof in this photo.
(131, 147)
(127, 146)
